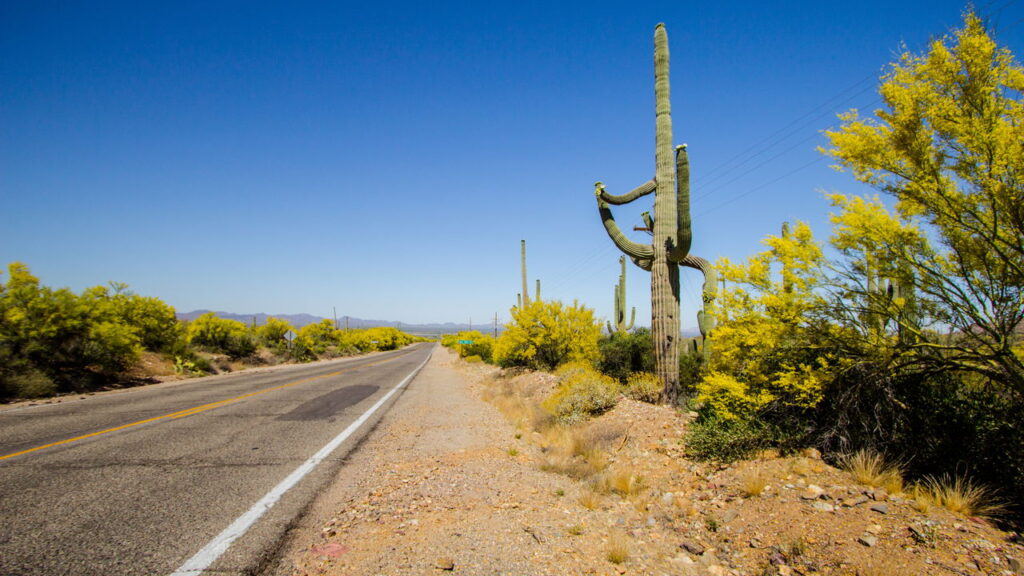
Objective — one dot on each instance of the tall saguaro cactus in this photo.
(670, 247)
(620, 304)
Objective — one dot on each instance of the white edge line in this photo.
(216, 547)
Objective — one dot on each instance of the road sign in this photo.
(290, 336)
(465, 341)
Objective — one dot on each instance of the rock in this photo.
(717, 570)
(1014, 565)
(668, 498)
(729, 515)
(812, 453)
(683, 559)
(855, 501)
(784, 570)
(868, 540)
(755, 543)
(874, 529)
(879, 495)
(881, 508)
(692, 547)
(823, 506)
(445, 563)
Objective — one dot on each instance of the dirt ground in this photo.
(458, 479)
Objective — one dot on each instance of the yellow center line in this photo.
(195, 409)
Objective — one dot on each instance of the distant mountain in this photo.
(300, 320)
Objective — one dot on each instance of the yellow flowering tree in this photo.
(546, 333)
(948, 148)
(764, 355)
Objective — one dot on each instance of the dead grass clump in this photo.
(590, 500)
(623, 482)
(870, 468)
(617, 551)
(570, 452)
(961, 495)
(753, 481)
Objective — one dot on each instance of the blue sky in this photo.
(387, 159)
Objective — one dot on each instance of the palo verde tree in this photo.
(948, 147)
(670, 228)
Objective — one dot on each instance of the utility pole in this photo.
(470, 323)
(495, 324)
(335, 308)
(346, 323)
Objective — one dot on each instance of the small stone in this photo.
(855, 501)
(784, 570)
(1014, 565)
(868, 540)
(445, 563)
(881, 508)
(729, 515)
(692, 547)
(755, 543)
(823, 506)
(874, 529)
(717, 570)
(812, 453)
(683, 559)
(880, 495)
(668, 498)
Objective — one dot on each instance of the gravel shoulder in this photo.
(447, 483)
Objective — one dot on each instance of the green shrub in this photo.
(581, 394)
(625, 353)
(220, 335)
(31, 384)
(474, 359)
(720, 440)
(644, 386)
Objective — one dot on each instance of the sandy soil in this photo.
(448, 483)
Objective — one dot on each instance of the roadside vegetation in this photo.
(906, 346)
(54, 341)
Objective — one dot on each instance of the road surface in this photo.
(160, 480)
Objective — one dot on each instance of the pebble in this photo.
(868, 540)
(692, 547)
(445, 563)
(881, 508)
(855, 501)
(823, 506)
(1014, 565)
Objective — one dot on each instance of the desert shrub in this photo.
(316, 338)
(625, 353)
(546, 333)
(581, 394)
(112, 347)
(710, 438)
(28, 382)
(644, 386)
(482, 344)
(474, 359)
(220, 335)
(271, 334)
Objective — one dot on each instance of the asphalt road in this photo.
(138, 482)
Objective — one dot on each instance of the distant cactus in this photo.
(620, 304)
(670, 227)
(537, 296)
(525, 293)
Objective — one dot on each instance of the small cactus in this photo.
(620, 304)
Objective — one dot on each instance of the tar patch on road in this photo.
(330, 404)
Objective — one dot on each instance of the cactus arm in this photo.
(632, 319)
(705, 318)
(684, 234)
(638, 192)
(525, 292)
(630, 248)
(537, 297)
(642, 263)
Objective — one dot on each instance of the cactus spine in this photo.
(620, 304)
(670, 247)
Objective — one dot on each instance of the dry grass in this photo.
(753, 481)
(590, 500)
(571, 452)
(617, 551)
(622, 481)
(959, 494)
(870, 468)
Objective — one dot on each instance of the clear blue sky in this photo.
(386, 158)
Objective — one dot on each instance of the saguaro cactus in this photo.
(620, 304)
(526, 293)
(671, 232)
